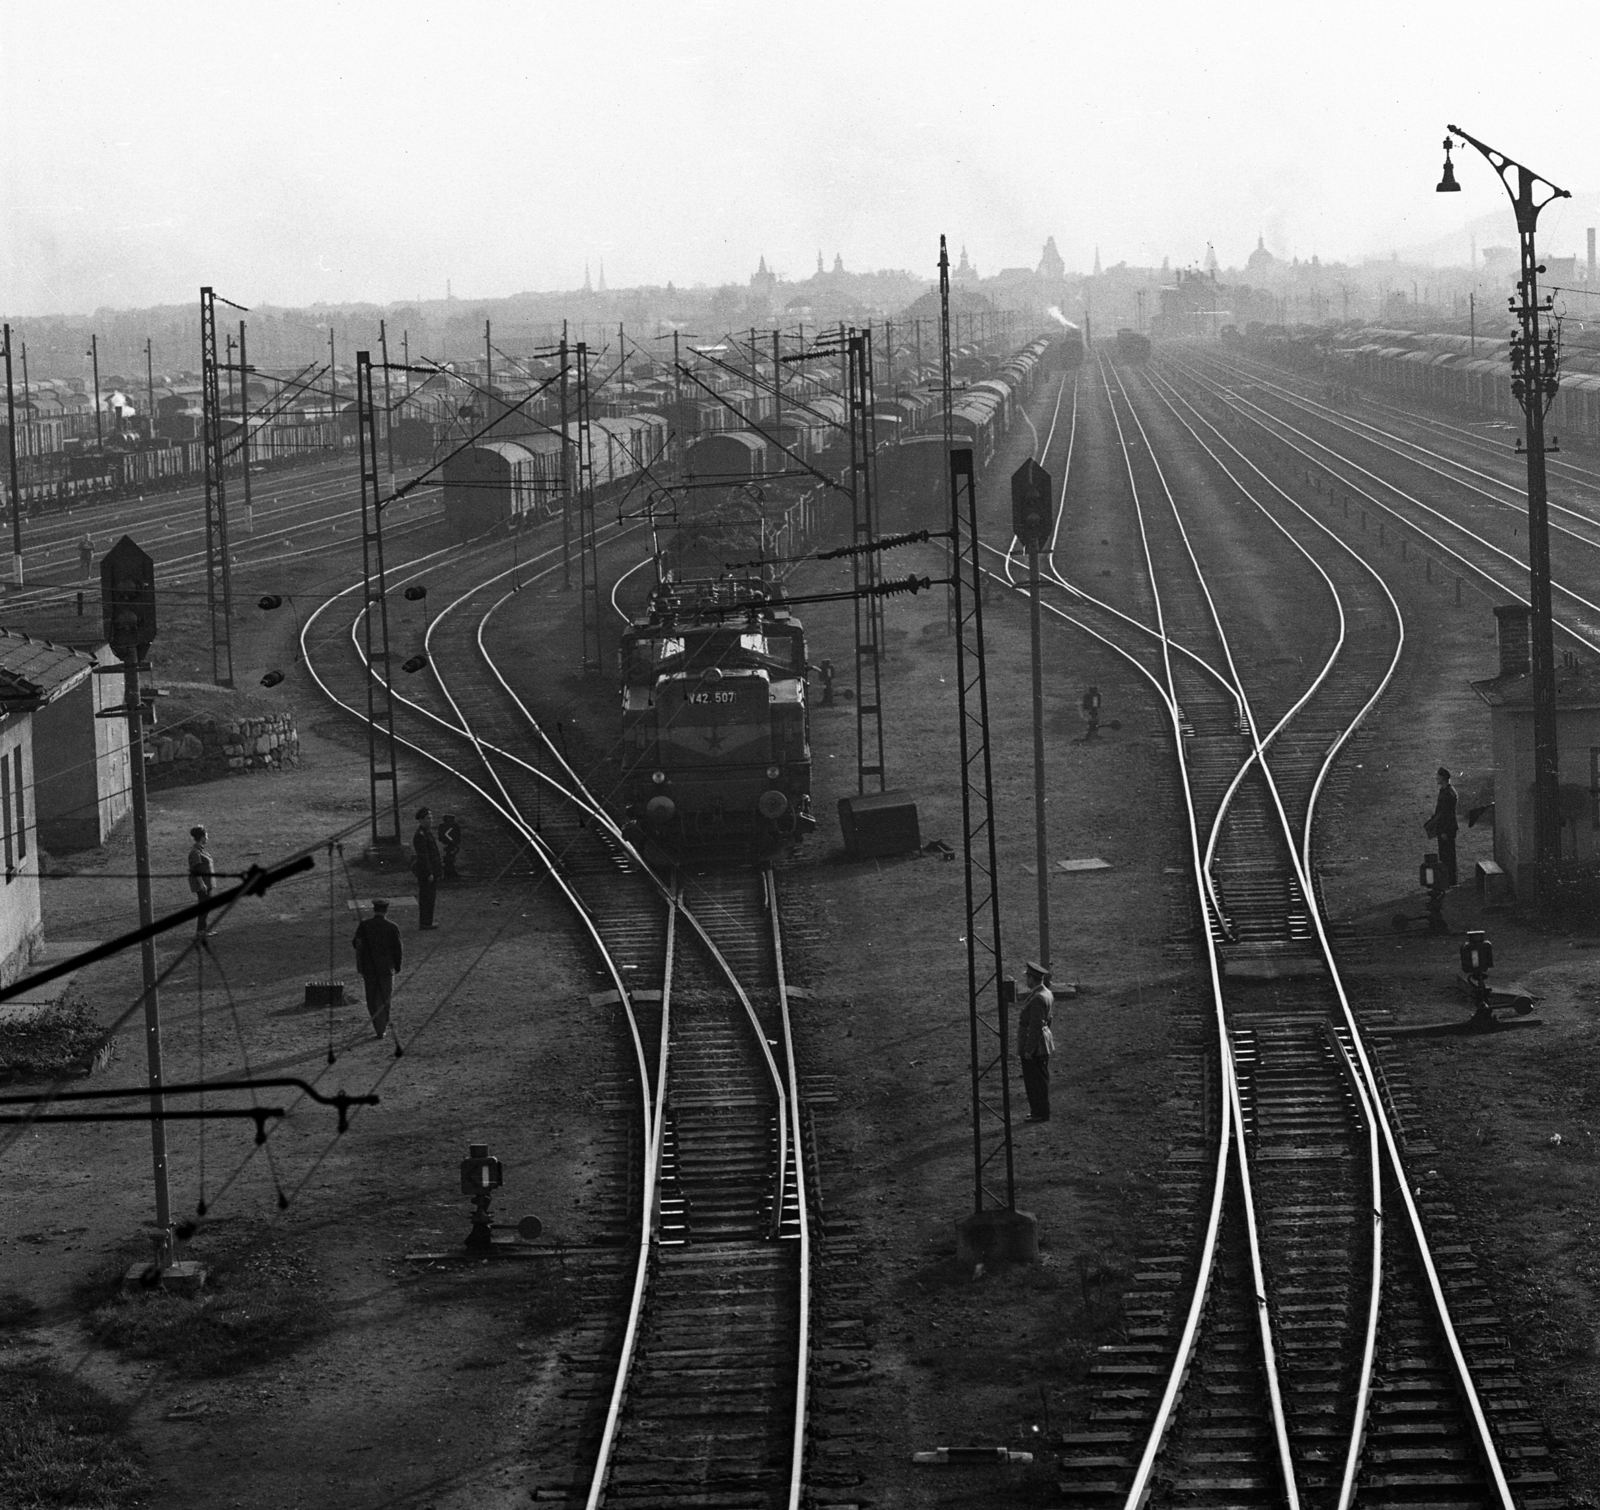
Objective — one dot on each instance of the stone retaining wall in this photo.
(206, 748)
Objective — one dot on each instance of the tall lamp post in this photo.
(1533, 384)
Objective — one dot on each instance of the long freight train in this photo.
(715, 723)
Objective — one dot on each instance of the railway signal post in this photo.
(128, 612)
(1534, 363)
(1032, 521)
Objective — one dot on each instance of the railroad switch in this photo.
(481, 1176)
(1477, 959)
(1431, 877)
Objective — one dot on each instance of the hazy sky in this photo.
(297, 152)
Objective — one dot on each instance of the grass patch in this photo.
(61, 1444)
(62, 1040)
(17, 1311)
(263, 1300)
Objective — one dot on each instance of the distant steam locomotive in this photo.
(715, 724)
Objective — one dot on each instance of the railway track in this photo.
(1468, 530)
(1292, 1340)
(706, 1352)
(1394, 420)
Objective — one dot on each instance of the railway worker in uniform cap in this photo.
(1034, 1041)
(427, 867)
(86, 554)
(378, 956)
(1442, 826)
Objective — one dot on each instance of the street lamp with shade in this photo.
(1533, 384)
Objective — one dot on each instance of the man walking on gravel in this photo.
(1442, 826)
(378, 956)
(1034, 1042)
(427, 867)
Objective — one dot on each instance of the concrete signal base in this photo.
(997, 1237)
(178, 1278)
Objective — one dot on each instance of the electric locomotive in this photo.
(715, 725)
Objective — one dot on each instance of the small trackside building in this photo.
(1509, 697)
(33, 675)
(82, 781)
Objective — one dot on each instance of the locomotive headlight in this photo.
(774, 772)
(658, 777)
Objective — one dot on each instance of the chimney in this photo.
(1514, 622)
(1591, 254)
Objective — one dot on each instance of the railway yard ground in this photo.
(332, 1364)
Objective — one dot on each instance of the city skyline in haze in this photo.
(348, 153)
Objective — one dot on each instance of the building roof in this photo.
(35, 672)
(1577, 687)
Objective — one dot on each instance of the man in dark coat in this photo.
(427, 867)
(1033, 1042)
(1443, 828)
(378, 957)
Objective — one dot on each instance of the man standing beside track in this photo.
(1442, 826)
(427, 867)
(1034, 1042)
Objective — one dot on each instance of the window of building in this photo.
(5, 807)
(22, 806)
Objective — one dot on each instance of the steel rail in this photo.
(1265, 419)
(650, 1234)
(1232, 680)
(1582, 477)
(1224, 1045)
(766, 1055)
(652, 1108)
(1191, 1328)
(1258, 1286)
(643, 561)
(1358, 1088)
(1187, 1338)
(590, 926)
(1381, 439)
(789, 1104)
(1316, 685)
(803, 1365)
(1465, 1382)
(1369, 1342)
(1335, 749)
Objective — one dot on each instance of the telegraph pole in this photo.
(566, 474)
(150, 385)
(16, 492)
(244, 431)
(777, 386)
(217, 562)
(1534, 380)
(388, 408)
